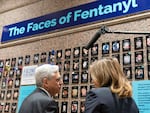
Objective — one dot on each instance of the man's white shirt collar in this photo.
(45, 91)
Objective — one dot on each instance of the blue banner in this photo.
(86, 13)
(23, 93)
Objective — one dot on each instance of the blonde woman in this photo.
(112, 92)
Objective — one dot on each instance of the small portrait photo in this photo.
(7, 62)
(126, 45)
(138, 57)
(13, 107)
(74, 107)
(66, 78)
(1, 73)
(59, 54)
(74, 92)
(84, 77)
(94, 50)
(139, 72)
(11, 72)
(82, 106)
(91, 79)
(76, 52)
(148, 41)
(65, 92)
(13, 62)
(5, 72)
(10, 83)
(105, 48)
(67, 53)
(15, 94)
(6, 67)
(43, 57)
(128, 72)
(2, 95)
(117, 56)
(126, 59)
(92, 87)
(85, 63)
(20, 61)
(83, 91)
(85, 52)
(17, 82)
(4, 82)
(138, 42)
(75, 77)
(76, 64)
(18, 72)
(7, 107)
(148, 71)
(66, 65)
(1, 106)
(1, 69)
(56, 96)
(9, 94)
(115, 46)
(64, 107)
(27, 59)
(51, 57)
(93, 59)
(1, 63)
(57, 103)
(148, 55)
(59, 65)
(36, 58)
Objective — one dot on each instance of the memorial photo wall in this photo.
(133, 54)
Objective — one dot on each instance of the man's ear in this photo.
(44, 81)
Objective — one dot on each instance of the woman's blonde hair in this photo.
(108, 72)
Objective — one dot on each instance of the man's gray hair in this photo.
(45, 70)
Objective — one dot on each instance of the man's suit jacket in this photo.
(38, 102)
(102, 100)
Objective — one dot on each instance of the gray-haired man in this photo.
(48, 82)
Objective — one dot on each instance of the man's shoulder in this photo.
(37, 95)
(40, 94)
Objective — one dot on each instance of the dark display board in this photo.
(132, 53)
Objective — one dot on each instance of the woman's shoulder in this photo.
(103, 91)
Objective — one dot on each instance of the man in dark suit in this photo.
(48, 82)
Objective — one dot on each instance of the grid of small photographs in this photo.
(75, 77)
(10, 75)
(132, 53)
(148, 55)
(73, 64)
